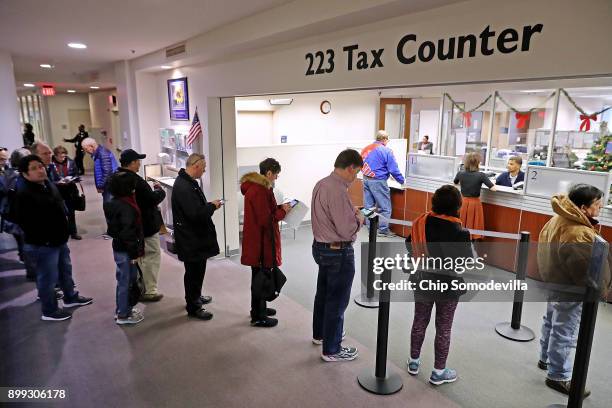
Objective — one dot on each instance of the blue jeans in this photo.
(53, 267)
(559, 335)
(336, 272)
(376, 193)
(126, 273)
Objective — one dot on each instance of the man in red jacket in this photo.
(261, 217)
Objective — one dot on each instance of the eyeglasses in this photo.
(3, 149)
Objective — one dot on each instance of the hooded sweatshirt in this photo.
(564, 248)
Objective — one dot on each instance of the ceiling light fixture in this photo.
(29, 85)
(71, 91)
(48, 66)
(79, 46)
(165, 67)
(94, 87)
(286, 101)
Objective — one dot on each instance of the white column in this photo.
(128, 105)
(10, 135)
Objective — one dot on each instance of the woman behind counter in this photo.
(471, 180)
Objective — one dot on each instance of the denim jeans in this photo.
(126, 272)
(53, 267)
(559, 335)
(376, 193)
(336, 273)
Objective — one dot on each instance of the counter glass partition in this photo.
(521, 127)
(581, 127)
(466, 123)
(443, 168)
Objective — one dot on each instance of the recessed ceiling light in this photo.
(46, 66)
(94, 87)
(285, 101)
(77, 45)
(165, 67)
(71, 91)
(535, 91)
(29, 85)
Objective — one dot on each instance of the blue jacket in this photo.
(105, 164)
(379, 163)
(504, 179)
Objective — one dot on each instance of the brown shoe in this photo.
(154, 297)
(563, 386)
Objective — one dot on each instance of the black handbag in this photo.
(78, 202)
(268, 282)
(136, 288)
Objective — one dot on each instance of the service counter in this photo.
(506, 210)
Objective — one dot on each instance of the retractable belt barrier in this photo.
(382, 382)
(588, 318)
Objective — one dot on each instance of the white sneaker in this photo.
(318, 342)
(134, 318)
(345, 354)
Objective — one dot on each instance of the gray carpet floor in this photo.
(171, 361)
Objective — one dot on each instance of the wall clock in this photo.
(325, 107)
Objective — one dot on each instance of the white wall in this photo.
(352, 117)
(58, 106)
(101, 114)
(9, 113)
(254, 128)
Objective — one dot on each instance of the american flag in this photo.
(195, 131)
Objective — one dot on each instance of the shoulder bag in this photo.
(268, 282)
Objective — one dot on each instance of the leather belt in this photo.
(334, 245)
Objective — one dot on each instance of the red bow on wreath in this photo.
(467, 116)
(586, 122)
(522, 119)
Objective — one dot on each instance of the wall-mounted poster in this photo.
(178, 99)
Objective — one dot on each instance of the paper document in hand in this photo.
(294, 218)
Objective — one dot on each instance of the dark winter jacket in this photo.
(78, 140)
(194, 231)
(148, 200)
(261, 216)
(40, 212)
(105, 164)
(124, 227)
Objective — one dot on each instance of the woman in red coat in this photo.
(261, 217)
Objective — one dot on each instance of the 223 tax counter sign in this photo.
(411, 49)
(178, 99)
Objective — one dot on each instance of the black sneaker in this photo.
(78, 301)
(267, 322)
(201, 314)
(205, 299)
(270, 311)
(563, 386)
(542, 365)
(57, 316)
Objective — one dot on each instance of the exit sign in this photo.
(48, 90)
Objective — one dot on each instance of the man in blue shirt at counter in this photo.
(513, 175)
(378, 164)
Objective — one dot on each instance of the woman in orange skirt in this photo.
(471, 180)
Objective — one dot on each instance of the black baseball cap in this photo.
(129, 155)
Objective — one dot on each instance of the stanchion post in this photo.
(370, 301)
(382, 383)
(588, 318)
(514, 330)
